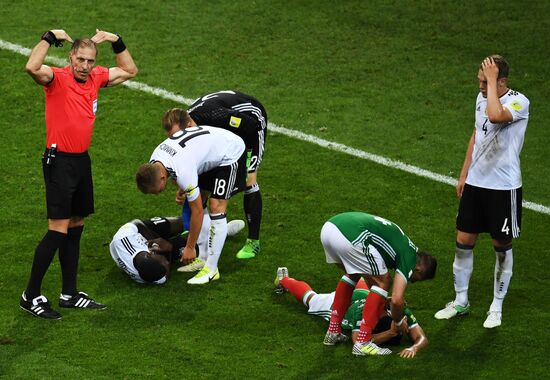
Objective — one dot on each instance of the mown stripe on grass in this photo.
(285, 131)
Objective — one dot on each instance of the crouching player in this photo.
(386, 330)
(145, 249)
(367, 246)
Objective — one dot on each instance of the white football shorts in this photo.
(339, 250)
(321, 305)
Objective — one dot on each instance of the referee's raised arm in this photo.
(41, 73)
(125, 67)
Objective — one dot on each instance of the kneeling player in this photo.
(386, 330)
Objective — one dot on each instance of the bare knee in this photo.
(466, 238)
(217, 206)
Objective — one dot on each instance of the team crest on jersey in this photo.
(235, 122)
(516, 105)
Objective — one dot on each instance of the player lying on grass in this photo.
(145, 248)
(386, 330)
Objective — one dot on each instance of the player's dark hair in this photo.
(502, 64)
(147, 178)
(175, 116)
(149, 269)
(427, 263)
(83, 42)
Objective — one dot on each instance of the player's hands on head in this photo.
(489, 68)
(408, 353)
(159, 245)
(102, 36)
(188, 255)
(394, 329)
(61, 35)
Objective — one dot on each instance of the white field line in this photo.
(285, 131)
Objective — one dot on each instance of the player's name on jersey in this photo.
(168, 149)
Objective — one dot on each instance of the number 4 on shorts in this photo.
(505, 227)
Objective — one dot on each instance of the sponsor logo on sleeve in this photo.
(516, 105)
(235, 122)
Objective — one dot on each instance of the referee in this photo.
(71, 105)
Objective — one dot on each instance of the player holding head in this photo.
(144, 249)
(365, 245)
(245, 116)
(489, 187)
(207, 164)
(385, 331)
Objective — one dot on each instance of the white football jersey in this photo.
(495, 158)
(126, 243)
(196, 150)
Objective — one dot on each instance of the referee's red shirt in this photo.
(71, 107)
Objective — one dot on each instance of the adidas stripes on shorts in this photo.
(339, 250)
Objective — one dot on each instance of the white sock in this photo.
(503, 275)
(202, 241)
(463, 266)
(218, 233)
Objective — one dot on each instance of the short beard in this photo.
(78, 79)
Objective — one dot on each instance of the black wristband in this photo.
(118, 45)
(50, 38)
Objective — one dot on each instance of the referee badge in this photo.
(235, 122)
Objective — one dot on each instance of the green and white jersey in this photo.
(352, 319)
(364, 230)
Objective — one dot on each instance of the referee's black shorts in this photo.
(497, 212)
(69, 187)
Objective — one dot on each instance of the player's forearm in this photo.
(397, 306)
(195, 225)
(37, 57)
(468, 157)
(495, 110)
(420, 343)
(384, 336)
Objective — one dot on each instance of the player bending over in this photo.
(368, 246)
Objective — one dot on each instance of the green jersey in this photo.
(364, 230)
(352, 319)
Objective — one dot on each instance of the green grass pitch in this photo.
(393, 78)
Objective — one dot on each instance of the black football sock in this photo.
(253, 210)
(43, 255)
(69, 253)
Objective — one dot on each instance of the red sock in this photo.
(342, 299)
(371, 313)
(361, 284)
(297, 288)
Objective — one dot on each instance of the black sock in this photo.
(69, 254)
(253, 211)
(43, 255)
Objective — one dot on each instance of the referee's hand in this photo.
(102, 36)
(61, 35)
